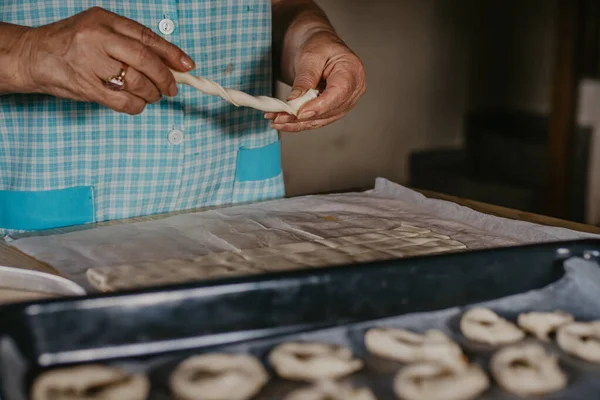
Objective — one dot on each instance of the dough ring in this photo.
(313, 361)
(485, 326)
(581, 339)
(527, 370)
(330, 390)
(90, 382)
(408, 347)
(241, 99)
(216, 376)
(541, 324)
(429, 381)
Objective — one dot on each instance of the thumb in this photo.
(307, 78)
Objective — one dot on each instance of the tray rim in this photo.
(225, 284)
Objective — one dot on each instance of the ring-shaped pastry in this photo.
(541, 324)
(313, 361)
(485, 326)
(217, 376)
(581, 339)
(430, 381)
(330, 390)
(409, 347)
(527, 370)
(90, 382)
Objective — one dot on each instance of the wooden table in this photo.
(9, 256)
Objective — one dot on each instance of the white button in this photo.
(175, 136)
(166, 26)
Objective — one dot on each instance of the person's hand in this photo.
(323, 60)
(73, 58)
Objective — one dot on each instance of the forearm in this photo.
(10, 55)
(293, 22)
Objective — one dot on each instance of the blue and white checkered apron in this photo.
(128, 166)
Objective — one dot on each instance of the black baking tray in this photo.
(143, 325)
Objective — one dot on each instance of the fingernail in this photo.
(307, 114)
(294, 94)
(187, 63)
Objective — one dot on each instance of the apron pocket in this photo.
(46, 209)
(258, 174)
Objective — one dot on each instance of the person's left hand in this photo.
(323, 60)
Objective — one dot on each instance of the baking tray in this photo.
(139, 329)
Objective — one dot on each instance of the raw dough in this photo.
(484, 325)
(405, 346)
(330, 390)
(218, 376)
(429, 381)
(90, 382)
(541, 324)
(313, 361)
(527, 370)
(241, 99)
(582, 339)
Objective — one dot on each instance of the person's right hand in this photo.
(72, 58)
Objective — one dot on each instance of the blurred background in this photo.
(496, 101)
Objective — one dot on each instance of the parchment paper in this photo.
(275, 223)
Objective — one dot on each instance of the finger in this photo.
(284, 118)
(173, 55)
(141, 58)
(307, 77)
(341, 86)
(120, 101)
(135, 82)
(306, 125)
(271, 115)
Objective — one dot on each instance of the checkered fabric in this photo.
(49, 143)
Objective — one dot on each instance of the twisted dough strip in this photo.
(241, 99)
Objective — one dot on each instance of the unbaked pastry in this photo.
(581, 339)
(330, 390)
(241, 99)
(430, 381)
(218, 376)
(485, 326)
(527, 370)
(541, 324)
(313, 361)
(406, 346)
(90, 382)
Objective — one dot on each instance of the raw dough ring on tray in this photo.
(541, 324)
(218, 376)
(430, 381)
(527, 370)
(581, 339)
(485, 326)
(408, 347)
(313, 361)
(90, 382)
(330, 390)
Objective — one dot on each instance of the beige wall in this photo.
(426, 67)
